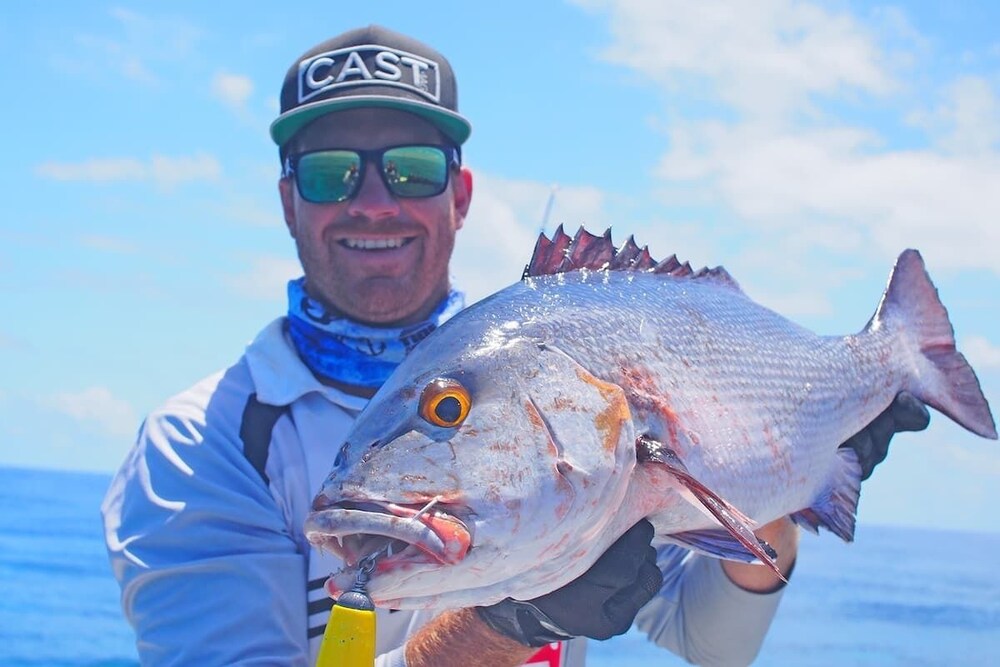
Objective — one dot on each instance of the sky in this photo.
(802, 145)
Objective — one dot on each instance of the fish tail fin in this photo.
(946, 380)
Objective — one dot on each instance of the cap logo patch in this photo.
(368, 64)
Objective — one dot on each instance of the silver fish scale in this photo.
(746, 398)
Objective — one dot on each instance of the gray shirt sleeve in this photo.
(701, 615)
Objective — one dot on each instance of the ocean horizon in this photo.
(896, 596)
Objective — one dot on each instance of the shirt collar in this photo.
(279, 375)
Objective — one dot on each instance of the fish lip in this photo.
(353, 529)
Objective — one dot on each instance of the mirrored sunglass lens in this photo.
(416, 171)
(328, 176)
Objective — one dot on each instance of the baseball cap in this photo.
(370, 67)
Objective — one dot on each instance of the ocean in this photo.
(894, 597)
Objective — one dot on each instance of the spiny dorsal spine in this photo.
(563, 254)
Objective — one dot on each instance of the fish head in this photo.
(496, 472)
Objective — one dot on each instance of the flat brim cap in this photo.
(370, 67)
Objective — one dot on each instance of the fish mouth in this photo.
(406, 533)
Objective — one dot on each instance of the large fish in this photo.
(520, 439)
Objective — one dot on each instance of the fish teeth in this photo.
(373, 244)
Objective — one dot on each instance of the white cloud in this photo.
(774, 182)
(162, 171)
(133, 68)
(97, 170)
(503, 225)
(266, 279)
(981, 353)
(161, 35)
(273, 105)
(109, 244)
(8, 342)
(233, 90)
(782, 171)
(250, 195)
(168, 172)
(236, 92)
(136, 47)
(97, 406)
(764, 58)
(251, 209)
(967, 119)
(100, 56)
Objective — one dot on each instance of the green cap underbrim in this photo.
(453, 125)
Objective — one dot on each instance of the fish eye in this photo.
(445, 402)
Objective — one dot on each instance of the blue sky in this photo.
(802, 145)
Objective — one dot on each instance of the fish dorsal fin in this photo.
(564, 253)
(548, 255)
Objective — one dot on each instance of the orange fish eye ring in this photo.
(445, 402)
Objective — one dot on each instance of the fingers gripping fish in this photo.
(604, 387)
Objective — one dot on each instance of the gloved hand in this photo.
(600, 603)
(905, 413)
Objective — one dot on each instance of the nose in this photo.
(373, 201)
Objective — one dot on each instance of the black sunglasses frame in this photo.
(452, 155)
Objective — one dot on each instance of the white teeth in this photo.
(388, 551)
(372, 244)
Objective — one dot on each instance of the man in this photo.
(204, 520)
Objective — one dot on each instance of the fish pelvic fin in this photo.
(736, 541)
(946, 380)
(565, 253)
(836, 506)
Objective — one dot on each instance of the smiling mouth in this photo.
(406, 535)
(375, 244)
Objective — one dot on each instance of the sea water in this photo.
(894, 597)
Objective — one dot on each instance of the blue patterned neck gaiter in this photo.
(336, 348)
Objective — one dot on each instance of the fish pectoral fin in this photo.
(738, 525)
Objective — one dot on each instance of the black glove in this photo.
(600, 603)
(905, 413)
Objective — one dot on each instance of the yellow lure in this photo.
(349, 639)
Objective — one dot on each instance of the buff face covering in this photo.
(337, 348)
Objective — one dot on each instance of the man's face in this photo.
(376, 258)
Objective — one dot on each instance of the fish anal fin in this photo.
(738, 525)
(836, 506)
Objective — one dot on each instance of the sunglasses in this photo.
(333, 175)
